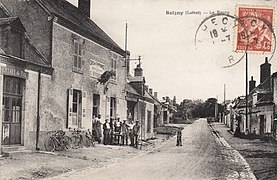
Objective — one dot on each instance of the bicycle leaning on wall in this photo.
(77, 138)
(89, 139)
(82, 138)
(57, 141)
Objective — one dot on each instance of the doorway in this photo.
(12, 110)
(262, 125)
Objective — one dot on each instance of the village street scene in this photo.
(138, 90)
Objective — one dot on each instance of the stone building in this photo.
(168, 109)
(140, 103)
(79, 52)
(261, 105)
(23, 70)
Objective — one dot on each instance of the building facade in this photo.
(23, 70)
(79, 52)
(261, 106)
(140, 103)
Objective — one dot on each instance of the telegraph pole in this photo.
(216, 108)
(246, 90)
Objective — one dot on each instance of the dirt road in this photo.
(202, 156)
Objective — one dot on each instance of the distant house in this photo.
(168, 109)
(79, 52)
(140, 104)
(261, 105)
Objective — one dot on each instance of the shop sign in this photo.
(14, 72)
(96, 68)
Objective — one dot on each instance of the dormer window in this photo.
(13, 33)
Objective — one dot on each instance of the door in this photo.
(149, 115)
(96, 105)
(113, 108)
(77, 108)
(12, 110)
(165, 117)
(262, 125)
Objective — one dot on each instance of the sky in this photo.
(173, 64)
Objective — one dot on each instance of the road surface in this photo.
(202, 156)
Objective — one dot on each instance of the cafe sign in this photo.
(96, 68)
(9, 71)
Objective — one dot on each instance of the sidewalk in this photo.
(261, 156)
(38, 165)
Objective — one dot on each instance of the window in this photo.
(76, 104)
(77, 56)
(76, 108)
(113, 107)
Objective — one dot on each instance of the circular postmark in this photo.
(237, 35)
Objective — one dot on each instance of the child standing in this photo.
(179, 137)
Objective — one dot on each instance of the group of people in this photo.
(116, 131)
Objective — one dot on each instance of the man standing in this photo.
(117, 129)
(136, 133)
(97, 128)
(111, 140)
(106, 132)
(131, 125)
(124, 132)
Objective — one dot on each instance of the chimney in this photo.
(146, 88)
(265, 69)
(252, 84)
(138, 70)
(151, 91)
(156, 95)
(84, 6)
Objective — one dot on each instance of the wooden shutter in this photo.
(84, 106)
(69, 106)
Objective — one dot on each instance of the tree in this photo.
(210, 107)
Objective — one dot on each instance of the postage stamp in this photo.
(251, 30)
(254, 30)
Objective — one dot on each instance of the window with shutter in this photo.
(77, 57)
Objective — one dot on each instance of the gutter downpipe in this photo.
(38, 110)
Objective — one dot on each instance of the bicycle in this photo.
(57, 141)
(77, 138)
(89, 139)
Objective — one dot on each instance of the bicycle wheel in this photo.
(67, 143)
(87, 142)
(49, 144)
(76, 141)
(59, 144)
